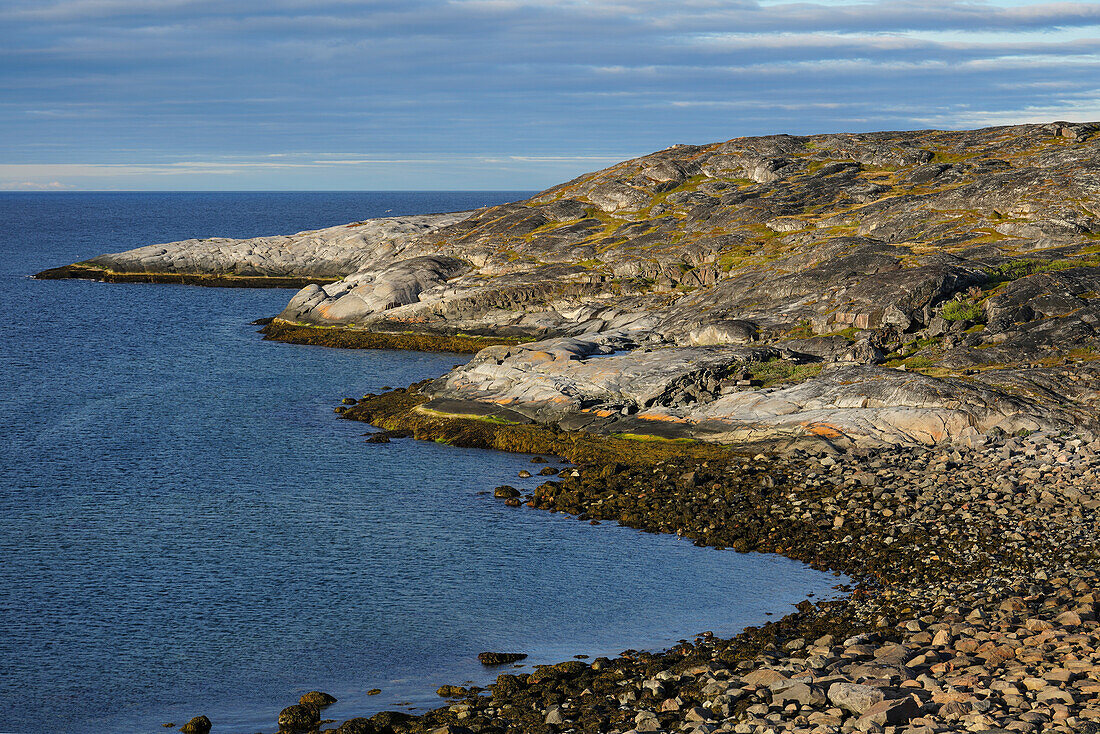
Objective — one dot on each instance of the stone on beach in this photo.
(197, 725)
(317, 698)
(900, 329)
(500, 658)
(299, 718)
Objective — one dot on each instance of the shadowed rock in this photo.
(500, 658)
(197, 725)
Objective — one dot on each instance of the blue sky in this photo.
(497, 94)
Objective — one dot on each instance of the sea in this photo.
(187, 528)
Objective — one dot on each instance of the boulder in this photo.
(299, 718)
(500, 658)
(854, 697)
(888, 713)
(799, 692)
(197, 725)
(731, 331)
(317, 698)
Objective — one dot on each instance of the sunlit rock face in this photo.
(770, 284)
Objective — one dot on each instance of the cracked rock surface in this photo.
(330, 252)
(869, 288)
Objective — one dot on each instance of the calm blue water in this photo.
(187, 529)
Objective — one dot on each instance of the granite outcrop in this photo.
(322, 255)
(861, 288)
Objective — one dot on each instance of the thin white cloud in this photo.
(354, 90)
(758, 104)
(1083, 110)
(33, 186)
(39, 171)
(375, 161)
(572, 158)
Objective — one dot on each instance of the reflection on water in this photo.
(189, 529)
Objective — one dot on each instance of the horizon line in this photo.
(264, 191)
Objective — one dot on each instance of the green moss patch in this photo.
(783, 371)
(399, 410)
(348, 338)
(962, 311)
(88, 271)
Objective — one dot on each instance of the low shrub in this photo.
(962, 311)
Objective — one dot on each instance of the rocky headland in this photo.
(876, 353)
(285, 261)
(864, 289)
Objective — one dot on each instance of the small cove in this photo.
(188, 528)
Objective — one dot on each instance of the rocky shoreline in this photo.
(900, 331)
(974, 609)
(314, 257)
(83, 271)
(345, 338)
(871, 289)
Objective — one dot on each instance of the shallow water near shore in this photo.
(188, 529)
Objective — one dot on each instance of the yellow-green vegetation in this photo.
(919, 344)
(962, 311)
(348, 338)
(1016, 269)
(91, 271)
(637, 283)
(837, 230)
(728, 261)
(948, 228)
(919, 354)
(782, 371)
(941, 157)
(688, 184)
(879, 174)
(1088, 354)
(985, 236)
(761, 232)
(802, 330)
(919, 361)
(817, 164)
(494, 419)
(735, 257)
(399, 410)
(849, 332)
(650, 438)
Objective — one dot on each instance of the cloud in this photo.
(170, 89)
(607, 158)
(1077, 108)
(375, 161)
(33, 186)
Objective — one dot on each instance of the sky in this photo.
(498, 94)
